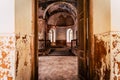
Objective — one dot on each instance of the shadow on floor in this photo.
(61, 52)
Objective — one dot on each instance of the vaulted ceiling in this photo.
(59, 12)
(45, 3)
(61, 19)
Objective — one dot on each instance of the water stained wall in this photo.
(102, 57)
(101, 30)
(23, 57)
(23, 31)
(7, 57)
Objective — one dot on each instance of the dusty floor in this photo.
(61, 52)
(58, 68)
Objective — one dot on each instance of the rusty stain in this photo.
(17, 37)
(1, 43)
(100, 50)
(3, 65)
(114, 68)
(115, 78)
(114, 35)
(109, 50)
(100, 57)
(119, 78)
(114, 43)
(9, 78)
(3, 73)
(1, 76)
(23, 46)
(24, 37)
(25, 63)
(9, 47)
(107, 74)
(118, 63)
(7, 73)
(17, 61)
(4, 54)
(24, 40)
(11, 42)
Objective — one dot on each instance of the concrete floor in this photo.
(58, 68)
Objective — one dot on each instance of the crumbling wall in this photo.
(102, 57)
(23, 57)
(23, 32)
(115, 55)
(7, 57)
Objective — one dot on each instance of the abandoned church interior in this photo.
(60, 40)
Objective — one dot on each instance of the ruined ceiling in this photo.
(45, 3)
(61, 19)
(51, 8)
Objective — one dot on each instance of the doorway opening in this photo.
(62, 32)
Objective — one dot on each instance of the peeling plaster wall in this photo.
(7, 57)
(115, 40)
(7, 40)
(102, 56)
(101, 31)
(115, 55)
(23, 58)
(107, 56)
(24, 35)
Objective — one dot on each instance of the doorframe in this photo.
(90, 40)
(34, 42)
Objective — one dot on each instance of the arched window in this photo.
(52, 35)
(69, 35)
